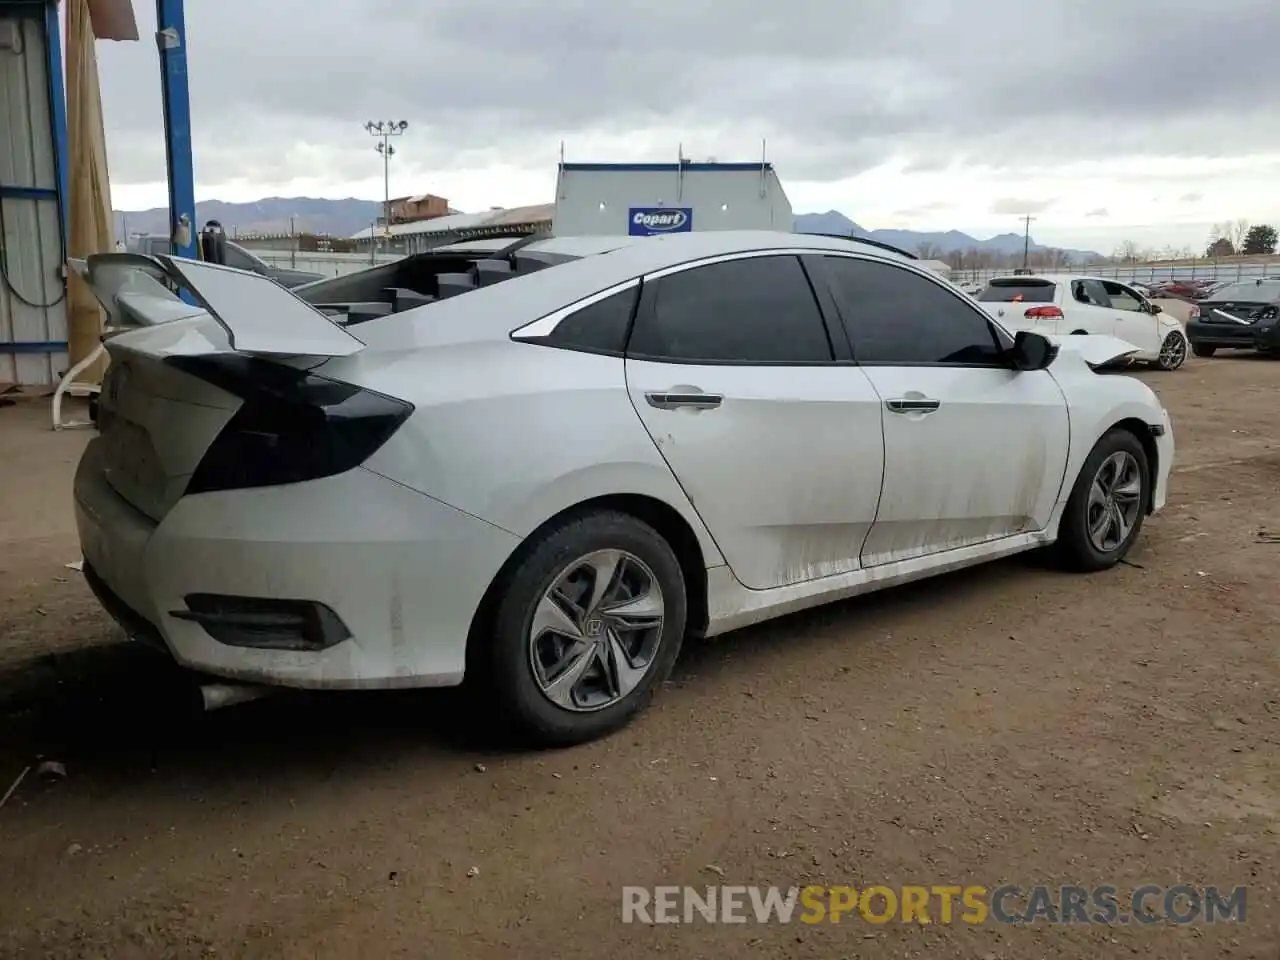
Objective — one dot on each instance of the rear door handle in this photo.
(912, 405)
(677, 398)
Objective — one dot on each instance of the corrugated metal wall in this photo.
(32, 301)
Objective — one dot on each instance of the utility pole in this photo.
(385, 130)
(1026, 238)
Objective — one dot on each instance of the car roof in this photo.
(593, 264)
(680, 247)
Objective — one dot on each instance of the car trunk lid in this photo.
(155, 421)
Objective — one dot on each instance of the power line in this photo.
(1026, 238)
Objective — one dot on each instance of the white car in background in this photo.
(1073, 305)
(539, 466)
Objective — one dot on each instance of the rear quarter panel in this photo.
(515, 433)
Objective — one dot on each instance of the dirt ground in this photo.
(1005, 724)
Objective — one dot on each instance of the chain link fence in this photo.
(1236, 268)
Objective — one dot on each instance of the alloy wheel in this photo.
(1173, 352)
(596, 630)
(1115, 500)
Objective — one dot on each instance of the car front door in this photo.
(1133, 321)
(772, 433)
(974, 450)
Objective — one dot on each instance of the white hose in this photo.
(68, 383)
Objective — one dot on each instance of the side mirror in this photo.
(1032, 351)
(1155, 308)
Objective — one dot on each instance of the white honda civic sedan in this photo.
(539, 466)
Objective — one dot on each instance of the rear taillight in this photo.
(1044, 313)
(292, 426)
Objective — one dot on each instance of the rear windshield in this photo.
(1265, 291)
(1018, 290)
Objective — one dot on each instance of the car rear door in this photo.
(974, 450)
(1089, 309)
(1133, 321)
(772, 433)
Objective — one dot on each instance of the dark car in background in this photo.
(1242, 316)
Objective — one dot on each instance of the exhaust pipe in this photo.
(215, 696)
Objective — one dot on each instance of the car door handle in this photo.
(675, 399)
(912, 405)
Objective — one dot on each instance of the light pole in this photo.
(385, 130)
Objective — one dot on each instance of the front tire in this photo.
(586, 627)
(1203, 350)
(1107, 505)
(1173, 352)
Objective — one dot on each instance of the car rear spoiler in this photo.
(259, 315)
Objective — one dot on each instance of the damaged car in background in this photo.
(536, 467)
(1244, 315)
(1076, 306)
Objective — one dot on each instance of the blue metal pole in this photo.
(171, 38)
(58, 108)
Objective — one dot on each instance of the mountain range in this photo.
(833, 221)
(270, 215)
(342, 218)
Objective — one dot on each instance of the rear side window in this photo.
(1018, 291)
(754, 310)
(600, 327)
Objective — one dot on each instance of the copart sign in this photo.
(649, 221)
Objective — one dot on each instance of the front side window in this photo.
(752, 310)
(896, 316)
(1122, 298)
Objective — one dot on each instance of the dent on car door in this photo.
(731, 367)
(974, 450)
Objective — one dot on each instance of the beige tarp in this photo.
(92, 230)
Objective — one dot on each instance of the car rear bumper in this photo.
(1237, 336)
(401, 573)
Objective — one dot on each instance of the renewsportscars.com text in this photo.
(935, 904)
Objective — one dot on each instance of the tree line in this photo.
(1231, 238)
(1227, 239)
(1042, 259)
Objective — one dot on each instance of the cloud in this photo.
(1099, 212)
(1014, 206)
(837, 88)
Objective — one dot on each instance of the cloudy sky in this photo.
(1107, 119)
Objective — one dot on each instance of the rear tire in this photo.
(585, 628)
(1107, 505)
(1202, 350)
